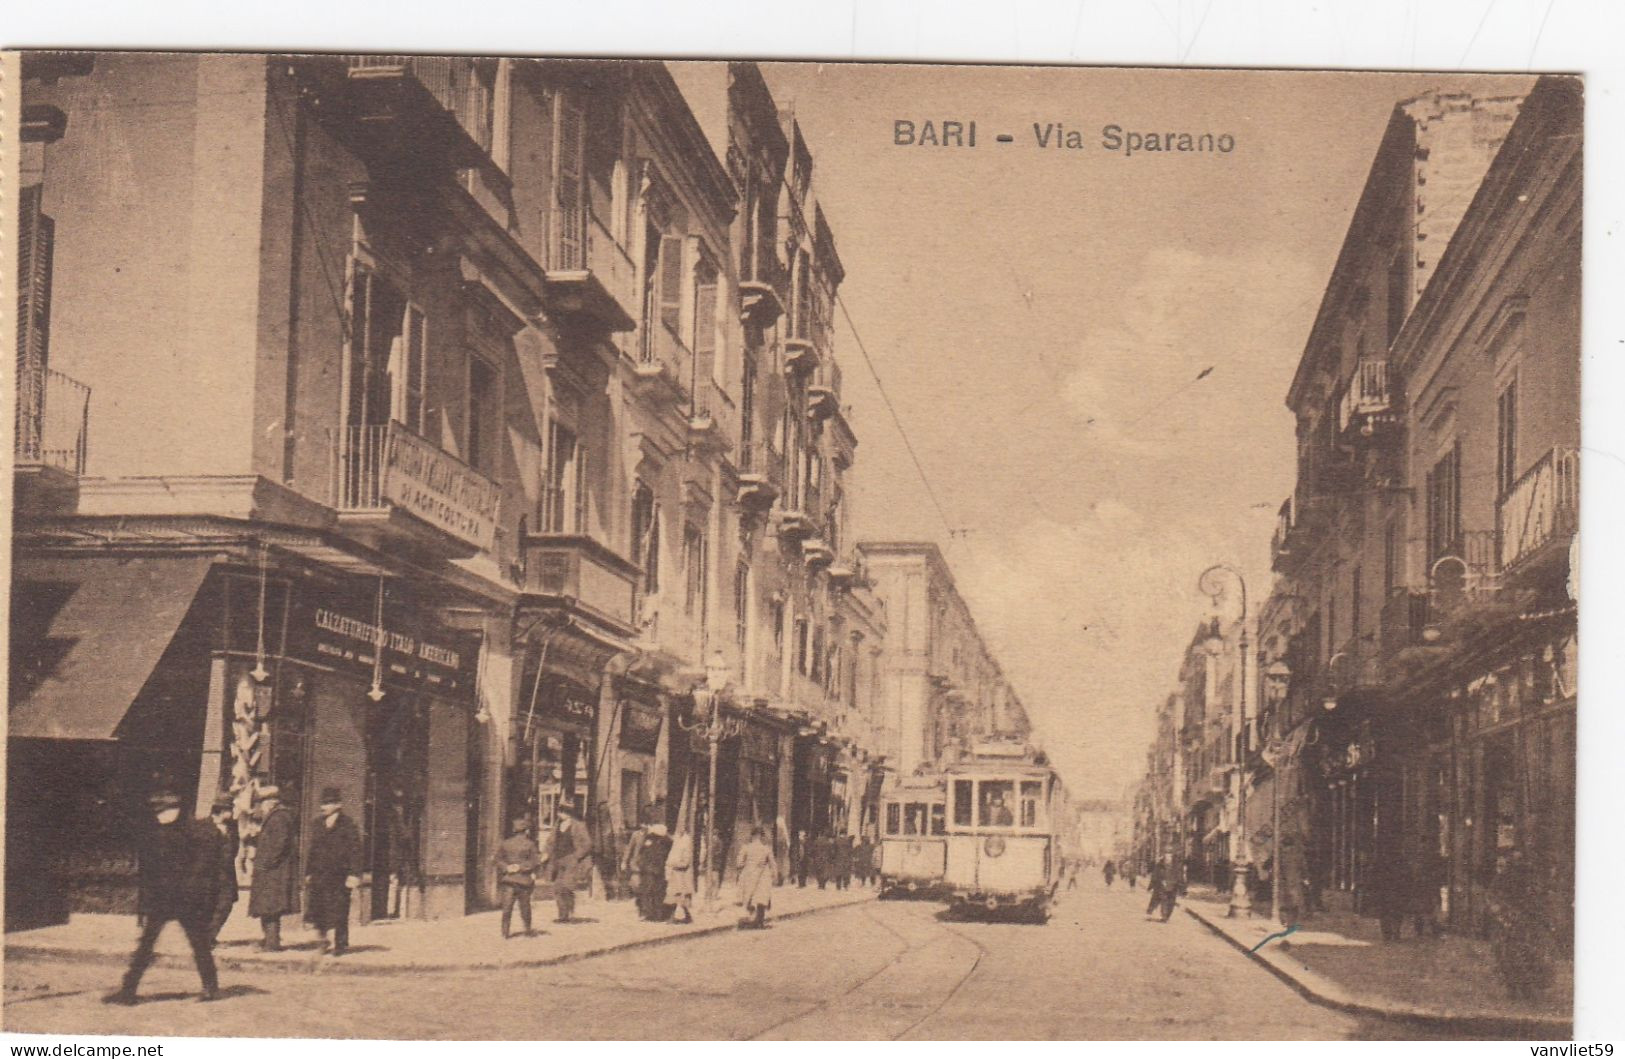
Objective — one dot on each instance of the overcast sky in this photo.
(1039, 318)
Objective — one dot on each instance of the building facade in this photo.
(1421, 633)
(443, 420)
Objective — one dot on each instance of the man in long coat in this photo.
(179, 873)
(569, 861)
(823, 858)
(275, 889)
(334, 870)
(649, 868)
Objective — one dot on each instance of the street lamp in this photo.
(708, 698)
(1211, 584)
(1277, 678)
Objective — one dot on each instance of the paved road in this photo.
(1097, 970)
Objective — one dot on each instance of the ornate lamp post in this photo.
(708, 699)
(1211, 584)
(1277, 677)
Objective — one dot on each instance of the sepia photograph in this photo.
(509, 547)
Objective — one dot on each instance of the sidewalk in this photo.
(1341, 961)
(393, 946)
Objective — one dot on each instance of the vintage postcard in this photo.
(512, 548)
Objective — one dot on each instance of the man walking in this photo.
(517, 859)
(225, 896)
(333, 872)
(179, 874)
(569, 861)
(274, 891)
(1163, 886)
(1110, 873)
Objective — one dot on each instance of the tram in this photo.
(913, 837)
(1006, 815)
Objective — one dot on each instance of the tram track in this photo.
(909, 949)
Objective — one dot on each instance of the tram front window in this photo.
(997, 797)
(939, 819)
(894, 815)
(914, 819)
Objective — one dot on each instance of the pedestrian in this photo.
(1110, 872)
(756, 870)
(823, 858)
(333, 871)
(680, 877)
(1387, 893)
(569, 861)
(179, 875)
(843, 861)
(1072, 867)
(274, 881)
(863, 861)
(225, 896)
(1131, 868)
(802, 855)
(1164, 887)
(649, 869)
(517, 860)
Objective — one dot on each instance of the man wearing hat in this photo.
(225, 896)
(517, 860)
(275, 889)
(179, 874)
(333, 871)
(569, 860)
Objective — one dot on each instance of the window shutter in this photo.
(569, 185)
(36, 232)
(705, 315)
(671, 282)
(580, 488)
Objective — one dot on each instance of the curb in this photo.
(1314, 988)
(317, 966)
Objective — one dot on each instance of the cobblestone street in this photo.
(1097, 970)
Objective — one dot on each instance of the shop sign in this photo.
(640, 727)
(440, 489)
(417, 654)
(566, 703)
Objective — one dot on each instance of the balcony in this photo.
(1281, 543)
(393, 488)
(816, 553)
(1367, 408)
(1538, 516)
(800, 356)
(843, 575)
(1404, 620)
(590, 278)
(1463, 577)
(795, 525)
(577, 572)
(710, 419)
(757, 491)
(412, 109)
(761, 286)
(665, 366)
(52, 430)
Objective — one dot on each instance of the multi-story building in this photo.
(406, 424)
(942, 687)
(1420, 634)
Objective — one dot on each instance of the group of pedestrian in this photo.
(563, 859)
(660, 868)
(188, 875)
(838, 859)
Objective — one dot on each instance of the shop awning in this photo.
(86, 634)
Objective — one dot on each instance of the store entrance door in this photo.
(397, 777)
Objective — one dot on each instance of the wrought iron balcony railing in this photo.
(1542, 508)
(391, 479)
(1368, 395)
(53, 420)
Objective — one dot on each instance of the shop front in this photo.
(208, 675)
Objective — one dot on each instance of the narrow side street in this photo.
(1097, 970)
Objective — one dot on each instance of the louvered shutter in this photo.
(671, 283)
(569, 186)
(34, 238)
(580, 489)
